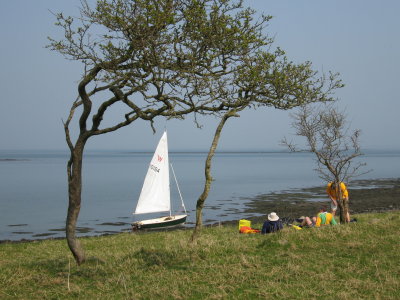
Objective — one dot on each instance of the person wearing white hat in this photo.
(273, 224)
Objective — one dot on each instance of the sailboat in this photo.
(155, 195)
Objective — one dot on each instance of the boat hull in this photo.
(162, 222)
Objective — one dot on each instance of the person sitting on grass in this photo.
(322, 218)
(273, 224)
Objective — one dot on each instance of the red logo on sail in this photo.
(159, 158)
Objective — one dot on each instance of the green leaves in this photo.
(196, 54)
(204, 56)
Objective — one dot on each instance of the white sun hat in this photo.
(273, 217)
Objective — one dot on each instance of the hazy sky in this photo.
(360, 39)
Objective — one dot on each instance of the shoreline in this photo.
(294, 203)
(365, 196)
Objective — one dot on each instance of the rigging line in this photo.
(179, 191)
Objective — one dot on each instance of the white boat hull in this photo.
(162, 222)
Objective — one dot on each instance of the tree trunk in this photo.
(343, 203)
(343, 210)
(74, 204)
(207, 173)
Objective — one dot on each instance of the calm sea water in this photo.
(33, 186)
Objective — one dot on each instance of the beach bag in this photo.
(245, 227)
(244, 222)
(297, 227)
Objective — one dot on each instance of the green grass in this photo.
(357, 261)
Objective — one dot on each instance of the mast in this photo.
(179, 190)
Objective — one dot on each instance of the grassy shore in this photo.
(355, 261)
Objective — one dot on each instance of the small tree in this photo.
(266, 80)
(328, 136)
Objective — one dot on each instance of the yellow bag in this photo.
(244, 222)
(297, 227)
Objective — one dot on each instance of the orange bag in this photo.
(247, 229)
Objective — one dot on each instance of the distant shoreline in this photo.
(194, 151)
(12, 159)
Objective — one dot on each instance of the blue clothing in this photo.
(271, 226)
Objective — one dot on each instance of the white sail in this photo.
(155, 194)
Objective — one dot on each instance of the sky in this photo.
(360, 39)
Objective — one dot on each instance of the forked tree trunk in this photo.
(74, 204)
(207, 173)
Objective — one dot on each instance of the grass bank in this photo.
(357, 261)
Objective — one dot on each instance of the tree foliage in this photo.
(170, 58)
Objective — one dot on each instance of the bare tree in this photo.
(335, 146)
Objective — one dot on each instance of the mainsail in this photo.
(155, 194)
